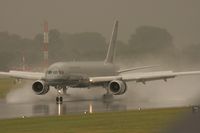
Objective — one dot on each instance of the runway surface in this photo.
(78, 106)
(22, 102)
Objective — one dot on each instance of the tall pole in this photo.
(46, 42)
(23, 63)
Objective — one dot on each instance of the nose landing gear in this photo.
(60, 91)
(59, 98)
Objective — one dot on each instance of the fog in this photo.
(181, 91)
(24, 94)
(24, 19)
(179, 17)
(151, 32)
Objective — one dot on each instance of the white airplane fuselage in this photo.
(76, 74)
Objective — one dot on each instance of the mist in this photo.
(24, 94)
(161, 33)
(179, 17)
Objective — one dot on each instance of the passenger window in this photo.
(61, 72)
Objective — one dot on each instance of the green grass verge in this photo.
(145, 121)
(5, 86)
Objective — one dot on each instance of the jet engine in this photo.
(40, 87)
(117, 87)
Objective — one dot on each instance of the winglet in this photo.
(111, 49)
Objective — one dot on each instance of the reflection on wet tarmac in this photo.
(76, 106)
(51, 108)
(41, 109)
(44, 109)
(80, 101)
(17, 105)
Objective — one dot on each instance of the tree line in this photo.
(147, 42)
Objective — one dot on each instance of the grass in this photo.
(145, 121)
(5, 86)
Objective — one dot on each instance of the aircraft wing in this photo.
(22, 75)
(143, 77)
(135, 68)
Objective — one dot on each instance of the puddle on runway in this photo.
(23, 102)
(16, 110)
(78, 106)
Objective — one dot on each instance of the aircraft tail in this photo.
(111, 49)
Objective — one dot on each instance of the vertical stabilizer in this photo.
(111, 49)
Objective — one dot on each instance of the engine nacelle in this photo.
(117, 87)
(40, 88)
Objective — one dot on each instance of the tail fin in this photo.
(111, 49)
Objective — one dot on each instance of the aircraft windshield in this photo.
(55, 72)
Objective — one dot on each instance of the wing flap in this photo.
(143, 77)
(104, 79)
(149, 76)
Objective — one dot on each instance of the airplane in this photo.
(106, 74)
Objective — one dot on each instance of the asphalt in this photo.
(22, 102)
(72, 106)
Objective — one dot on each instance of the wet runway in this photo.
(78, 106)
(23, 102)
(51, 108)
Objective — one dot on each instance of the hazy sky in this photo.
(180, 17)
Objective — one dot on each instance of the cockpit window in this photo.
(49, 72)
(55, 72)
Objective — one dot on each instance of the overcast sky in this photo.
(25, 17)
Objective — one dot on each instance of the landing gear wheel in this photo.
(59, 100)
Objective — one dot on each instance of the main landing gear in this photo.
(107, 97)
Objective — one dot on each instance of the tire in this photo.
(57, 99)
(61, 99)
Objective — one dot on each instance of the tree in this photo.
(84, 46)
(55, 45)
(151, 40)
